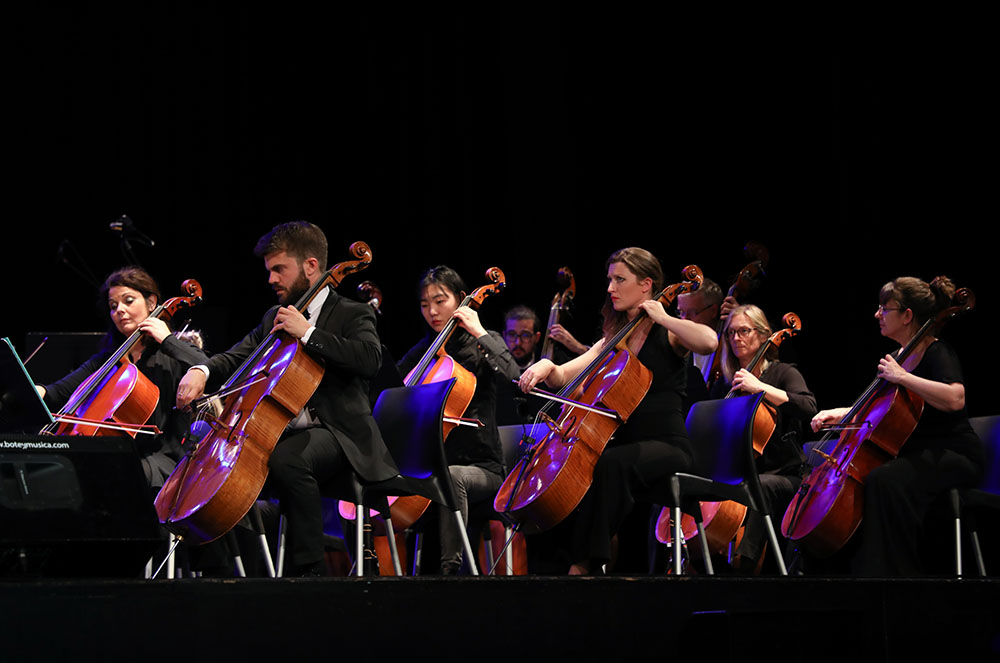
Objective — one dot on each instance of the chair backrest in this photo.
(988, 430)
(721, 433)
(409, 419)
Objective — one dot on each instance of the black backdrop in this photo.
(487, 137)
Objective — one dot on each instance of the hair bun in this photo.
(943, 290)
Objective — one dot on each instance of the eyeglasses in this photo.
(882, 310)
(510, 336)
(742, 332)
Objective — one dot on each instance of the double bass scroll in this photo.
(560, 307)
(746, 280)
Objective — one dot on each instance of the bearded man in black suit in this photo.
(335, 431)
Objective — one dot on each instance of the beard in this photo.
(522, 357)
(295, 291)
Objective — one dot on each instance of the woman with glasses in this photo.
(943, 452)
(474, 455)
(780, 466)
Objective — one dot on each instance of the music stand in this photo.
(21, 408)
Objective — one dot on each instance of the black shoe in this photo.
(314, 570)
(450, 569)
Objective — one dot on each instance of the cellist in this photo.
(130, 294)
(653, 443)
(707, 306)
(943, 452)
(780, 466)
(335, 430)
(475, 458)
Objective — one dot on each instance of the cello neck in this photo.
(473, 300)
(616, 342)
(666, 297)
(331, 278)
(437, 345)
(878, 382)
(554, 312)
(752, 366)
(97, 377)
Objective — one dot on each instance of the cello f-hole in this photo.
(568, 426)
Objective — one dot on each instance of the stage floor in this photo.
(616, 618)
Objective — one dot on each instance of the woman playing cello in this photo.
(780, 466)
(130, 295)
(474, 455)
(943, 451)
(653, 443)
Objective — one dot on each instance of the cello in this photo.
(213, 487)
(745, 281)
(559, 309)
(436, 365)
(555, 472)
(829, 505)
(723, 521)
(117, 397)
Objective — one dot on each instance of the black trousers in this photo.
(300, 462)
(897, 497)
(778, 490)
(622, 474)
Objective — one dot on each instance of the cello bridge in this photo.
(551, 423)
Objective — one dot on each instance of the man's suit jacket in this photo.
(348, 345)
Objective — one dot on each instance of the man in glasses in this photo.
(522, 332)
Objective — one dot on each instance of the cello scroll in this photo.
(174, 304)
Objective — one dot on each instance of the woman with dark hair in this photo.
(943, 452)
(474, 455)
(780, 466)
(130, 295)
(654, 442)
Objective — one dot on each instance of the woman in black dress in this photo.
(943, 452)
(654, 442)
(780, 466)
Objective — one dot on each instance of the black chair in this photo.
(972, 502)
(349, 487)
(510, 443)
(409, 419)
(721, 433)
